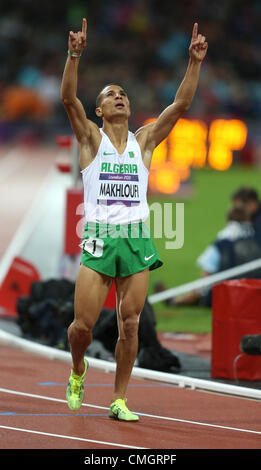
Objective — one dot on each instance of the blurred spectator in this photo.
(249, 199)
(235, 245)
(21, 102)
(140, 43)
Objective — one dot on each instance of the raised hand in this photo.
(77, 41)
(198, 46)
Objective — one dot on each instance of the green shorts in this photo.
(118, 250)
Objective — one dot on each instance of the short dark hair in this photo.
(238, 214)
(245, 194)
(98, 99)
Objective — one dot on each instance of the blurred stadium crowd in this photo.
(141, 44)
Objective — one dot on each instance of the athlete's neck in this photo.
(117, 133)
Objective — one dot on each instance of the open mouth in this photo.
(119, 105)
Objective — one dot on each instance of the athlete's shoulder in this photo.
(92, 136)
(144, 132)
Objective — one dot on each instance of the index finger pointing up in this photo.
(195, 31)
(84, 26)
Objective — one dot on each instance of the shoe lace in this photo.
(75, 386)
(122, 406)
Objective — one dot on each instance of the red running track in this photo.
(34, 413)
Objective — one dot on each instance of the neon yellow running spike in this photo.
(75, 390)
(119, 410)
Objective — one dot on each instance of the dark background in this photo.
(140, 44)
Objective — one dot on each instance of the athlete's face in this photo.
(113, 103)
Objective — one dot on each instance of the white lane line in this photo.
(74, 438)
(197, 423)
(42, 397)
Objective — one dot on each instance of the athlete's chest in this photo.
(119, 167)
(111, 158)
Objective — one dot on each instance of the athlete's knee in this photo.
(131, 306)
(80, 328)
(131, 326)
(129, 318)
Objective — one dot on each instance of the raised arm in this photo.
(81, 126)
(159, 130)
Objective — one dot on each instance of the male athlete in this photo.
(115, 167)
